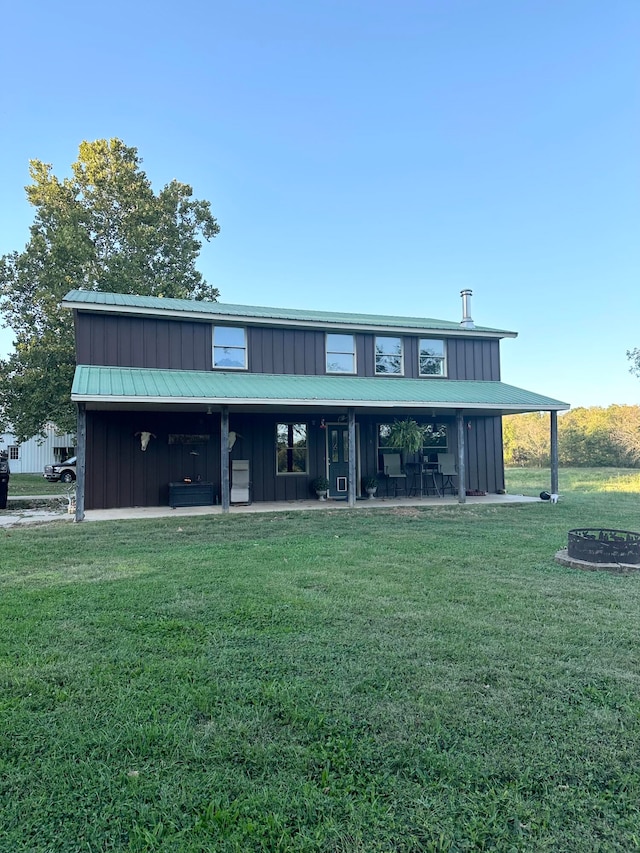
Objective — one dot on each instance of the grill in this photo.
(603, 545)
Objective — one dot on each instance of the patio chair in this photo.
(394, 473)
(448, 469)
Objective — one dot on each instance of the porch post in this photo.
(462, 489)
(81, 460)
(224, 457)
(351, 493)
(554, 453)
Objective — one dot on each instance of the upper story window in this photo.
(229, 348)
(389, 357)
(341, 354)
(431, 357)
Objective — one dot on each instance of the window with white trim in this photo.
(341, 353)
(291, 449)
(432, 361)
(389, 356)
(14, 452)
(229, 348)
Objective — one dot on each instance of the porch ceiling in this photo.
(129, 387)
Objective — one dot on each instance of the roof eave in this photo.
(511, 409)
(282, 322)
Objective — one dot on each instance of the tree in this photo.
(634, 357)
(526, 439)
(624, 428)
(101, 229)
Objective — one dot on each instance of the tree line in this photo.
(587, 437)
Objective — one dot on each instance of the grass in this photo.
(531, 481)
(415, 679)
(34, 484)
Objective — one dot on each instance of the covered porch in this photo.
(238, 416)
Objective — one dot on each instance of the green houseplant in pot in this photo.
(320, 486)
(370, 485)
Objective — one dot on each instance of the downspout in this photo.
(224, 457)
(81, 460)
(462, 489)
(351, 493)
(554, 453)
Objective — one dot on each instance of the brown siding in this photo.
(484, 458)
(120, 474)
(295, 351)
(473, 359)
(143, 342)
(184, 345)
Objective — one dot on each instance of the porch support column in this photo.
(81, 460)
(351, 492)
(462, 489)
(554, 453)
(224, 457)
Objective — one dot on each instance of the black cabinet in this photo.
(191, 494)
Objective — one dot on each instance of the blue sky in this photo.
(370, 156)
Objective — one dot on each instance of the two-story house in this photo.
(172, 391)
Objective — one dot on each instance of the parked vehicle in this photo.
(65, 472)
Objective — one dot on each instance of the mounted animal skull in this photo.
(145, 436)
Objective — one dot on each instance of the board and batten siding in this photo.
(149, 342)
(120, 474)
(172, 344)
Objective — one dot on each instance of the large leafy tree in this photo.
(105, 229)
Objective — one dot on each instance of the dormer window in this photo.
(341, 354)
(389, 357)
(432, 357)
(229, 348)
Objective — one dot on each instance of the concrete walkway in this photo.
(293, 506)
(14, 517)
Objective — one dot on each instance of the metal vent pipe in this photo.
(466, 322)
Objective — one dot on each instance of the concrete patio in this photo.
(19, 517)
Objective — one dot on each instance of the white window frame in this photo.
(333, 350)
(14, 452)
(399, 355)
(441, 359)
(234, 348)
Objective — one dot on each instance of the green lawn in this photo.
(531, 481)
(34, 484)
(418, 679)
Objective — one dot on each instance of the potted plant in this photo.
(320, 486)
(407, 435)
(370, 485)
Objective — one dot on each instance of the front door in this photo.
(338, 456)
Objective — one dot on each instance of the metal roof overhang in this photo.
(101, 388)
(217, 312)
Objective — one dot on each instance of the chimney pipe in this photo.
(466, 322)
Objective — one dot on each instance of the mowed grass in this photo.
(417, 679)
(35, 484)
(531, 481)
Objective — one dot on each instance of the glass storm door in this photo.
(338, 455)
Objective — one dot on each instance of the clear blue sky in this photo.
(370, 155)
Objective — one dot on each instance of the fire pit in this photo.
(602, 548)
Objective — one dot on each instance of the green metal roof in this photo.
(140, 385)
(128, 303)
